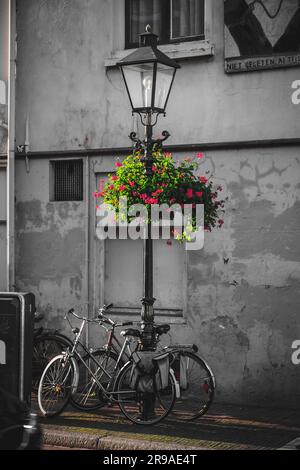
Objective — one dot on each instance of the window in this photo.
(67, 177)
(171, 20)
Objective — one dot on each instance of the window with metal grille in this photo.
(67, 180)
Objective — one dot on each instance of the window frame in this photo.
(167, 27)
(176, 50)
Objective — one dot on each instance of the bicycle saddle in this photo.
(162, 329)
(132, 332)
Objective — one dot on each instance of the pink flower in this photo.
(143, 196)
(118, 164)
(172, 200)
(203, 179)
(207, 229)
(111, 186)
(114, 178)
(220, 222)
(131, 183)
(152, 200)
(122, 187)
(200, 155)
(189, 193)
(134, 193)
(157, 192)
(101, 184)
(199, 193)
(154, 169)
(98, 194)
(167, 154)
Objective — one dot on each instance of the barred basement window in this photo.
(67, 180)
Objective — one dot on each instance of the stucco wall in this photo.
(74, 102)
(242, 314)
(50, 244)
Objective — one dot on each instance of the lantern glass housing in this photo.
(148, 76)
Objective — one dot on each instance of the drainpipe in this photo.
(87, 242)
(11, 149)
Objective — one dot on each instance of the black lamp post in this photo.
(148, 76)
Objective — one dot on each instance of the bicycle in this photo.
(60, 379)
(194, 377)
(196, 381)
(46, 345)
(111, 356)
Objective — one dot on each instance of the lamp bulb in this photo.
(147, 83)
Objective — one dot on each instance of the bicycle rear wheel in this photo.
(88, 395)
(56, 385)
(143, 407)
(197, 385)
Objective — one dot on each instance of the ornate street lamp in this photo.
(148, 76)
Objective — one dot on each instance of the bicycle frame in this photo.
(73, 352)
(113, 344)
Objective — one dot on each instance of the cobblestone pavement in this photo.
(223, 427)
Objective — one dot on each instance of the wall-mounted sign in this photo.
(261, 34)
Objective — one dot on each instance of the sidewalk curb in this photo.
(85, 441)
(292, 445)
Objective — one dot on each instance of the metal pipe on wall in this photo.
(11, 149)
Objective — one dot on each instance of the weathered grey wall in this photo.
(73, 102)
(243, 315)
(50, 248)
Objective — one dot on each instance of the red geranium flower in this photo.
(189, 193)
(118, 164)
(203, 179)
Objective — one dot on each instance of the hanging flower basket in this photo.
(170, 183)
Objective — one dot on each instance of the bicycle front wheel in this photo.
(45, 347)
(145, 408)
(88, 395)
(197, 385)
(56, 385)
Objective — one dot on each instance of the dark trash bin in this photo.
(16, 343)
